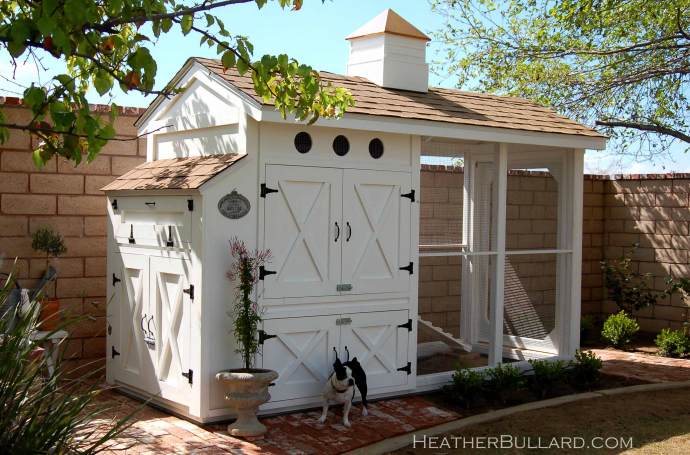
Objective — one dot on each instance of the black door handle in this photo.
(349, 234)
(337, 236)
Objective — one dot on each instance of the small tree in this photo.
(246, 313)
(629, 289)
(51, 244)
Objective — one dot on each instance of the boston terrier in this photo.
(340, 386)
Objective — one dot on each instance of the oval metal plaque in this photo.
(233, 205)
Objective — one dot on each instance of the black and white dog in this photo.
(340, 386)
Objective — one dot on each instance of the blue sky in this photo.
(314, 35)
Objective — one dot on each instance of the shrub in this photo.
(619, 329)
(585, 373)
(587, 330)
(505, 381)
(466, 387)
(672, 343)
(51, 415)
(547, 375)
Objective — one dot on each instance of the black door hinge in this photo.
(189, 291)
(189, 376)
(409, 268)
(131, 234)
(115, 279)
(409, 195)
(114, 204)
(190, 205)
(263, 273)
(263, 336)
(407, 325)
(114, 352)
(407, 368)
(170, 242)
(265, 190)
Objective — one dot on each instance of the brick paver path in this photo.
(644, 367)
(295, 434)
(299, 434)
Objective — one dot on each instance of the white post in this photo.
(498, 285)
(573, 341)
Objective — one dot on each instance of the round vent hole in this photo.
(303, 142)
(376, 148)
(341, 145)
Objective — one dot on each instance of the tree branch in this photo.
(645, 127)
(39, 130)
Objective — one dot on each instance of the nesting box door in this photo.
(130, 353)
(301, 351)
(303, 229)
(170, 301)
(377, 231)
(380, 345)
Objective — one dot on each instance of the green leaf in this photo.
(45, 25)
(103, 82)
(38, 160)
(242, 67)
(186, 23)
(209, 20)
(166, 24)
(66, 81)
(228, 59)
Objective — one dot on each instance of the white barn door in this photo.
(303, 229)
(379, 345)
(302, 354)
(171, 309)
(376, 231)
(134, 365)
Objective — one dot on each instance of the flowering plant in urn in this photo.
(248, 386)
(245, 312)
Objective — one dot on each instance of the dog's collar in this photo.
(334, 387)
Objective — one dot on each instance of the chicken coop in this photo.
(427, 227)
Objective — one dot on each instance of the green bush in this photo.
(585, 373)
(672, 343)
(466, 387)
(619, 329)
(587, 330)
(547, 375)
(504, 381)
(47, 414)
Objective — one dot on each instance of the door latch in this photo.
(170, 242)
(131, 234)
(343, 287)
(189, 291)
(189, 376)
(343, 321)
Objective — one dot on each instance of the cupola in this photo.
(390, 52)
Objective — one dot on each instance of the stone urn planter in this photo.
(247, 391)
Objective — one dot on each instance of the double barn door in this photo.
(334, 231)
(150, 324)
(301, 350)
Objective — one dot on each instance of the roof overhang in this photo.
(449, 130)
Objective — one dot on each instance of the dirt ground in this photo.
(642, 344)
(657, 422)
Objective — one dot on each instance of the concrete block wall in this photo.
(68, 200)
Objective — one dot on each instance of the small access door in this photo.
(132, 357)
(171, 307)
(302, 354)
(303, 229)
(377, 231)
(380, 345)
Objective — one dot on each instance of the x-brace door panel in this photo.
(303, 230)
(301, 353)
(134, 365)
(377, 231)
(379, 345)
(172, 309)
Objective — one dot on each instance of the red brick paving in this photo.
(644, 367)
(157, 433)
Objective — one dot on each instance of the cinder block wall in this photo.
(69, 200)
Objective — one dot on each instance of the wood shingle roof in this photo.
(438, 104)
(175, 173)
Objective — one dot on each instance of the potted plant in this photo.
(52, 245)
(247, 386)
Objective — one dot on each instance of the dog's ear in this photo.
(337, 362)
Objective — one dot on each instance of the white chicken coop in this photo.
(425, 228)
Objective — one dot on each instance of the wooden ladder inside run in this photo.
(439, 335)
